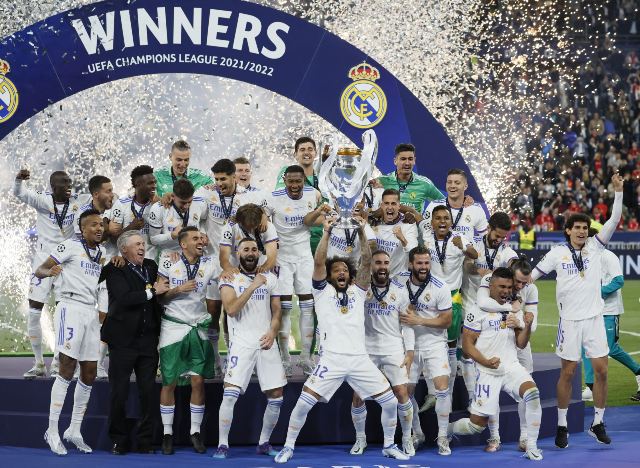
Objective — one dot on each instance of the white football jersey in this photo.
(49, 232)
(109, 246)
(217, 216)
(578, 297)
(341, 327)
(472, 222)
(163, 221)
(78, 280)
(383, 331)
(233, 233)
(388, 242)
(501, 258)
(343, 247)
(495, 340)
(610, 269)
(450, 270)
(434, 300)
(287, 216)
(254, 320)
(189, 307)
(372, 198)
(528, 294)
(257, 195)
(122, 213)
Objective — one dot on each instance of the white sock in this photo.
(405, 413)
(35, 334)
(298, 417)
(638, 381)
(522, 415)
(534, 416)
(166, 413)
(225, 337)
(58, 394)
(306, 328)
(598, 415)
(103, 353)
(469, 375)
(285, 331)
(562, 417)
(443, 408)
(465, 427)
(214, 338)
(389, 418)
(494, 425)
(415, 423)
(80, 400)
(270, 419)
(453, 365)
(225, 415)
(359, 418)
(197, 413)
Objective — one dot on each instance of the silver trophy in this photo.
(345, 174)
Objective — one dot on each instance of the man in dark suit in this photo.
(131, 330)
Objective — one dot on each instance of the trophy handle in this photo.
(325, 184)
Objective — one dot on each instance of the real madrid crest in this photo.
(427, 297)
(8, 93)
(363, 103)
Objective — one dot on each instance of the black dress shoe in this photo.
(118, 449)
(197, 443)
(167, 444)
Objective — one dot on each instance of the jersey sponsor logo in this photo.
(363, 103)
(8, 93)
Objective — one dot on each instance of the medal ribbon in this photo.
(489, 258)
(141, 271)
(344, 300)
(95, 259)
(226, 209)
(138, 214)
(458, 216)
(368, 198)
(184, 217)
(350, 237)
(402, 188)
(256, 237)
(379, 296)
(191, 272)
(441, 255)
(414, 298)
(314, 184)
(577, 259)
(60, 217)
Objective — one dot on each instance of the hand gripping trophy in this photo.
(345, 174)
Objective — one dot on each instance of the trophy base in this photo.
(346, 223)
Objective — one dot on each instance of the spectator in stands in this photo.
(633, 224)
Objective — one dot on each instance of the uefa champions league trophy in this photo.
(345, 174)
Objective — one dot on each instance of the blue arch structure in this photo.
(110, 40)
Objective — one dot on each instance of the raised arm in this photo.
(26, 195)
(363, 277)
(319, 265)
(233, 303)
(616, 211)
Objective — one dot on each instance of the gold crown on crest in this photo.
(364, 71)
(4, 67)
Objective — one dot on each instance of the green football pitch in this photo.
(622, 383)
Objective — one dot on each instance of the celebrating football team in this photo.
(422, 286)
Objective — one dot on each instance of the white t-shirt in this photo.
(501, 258)
(340, 247)
(189, 307)
(451, 269)
(383, 331)
(472, 222)
(578, 297)
(254, 320)
(388, 242)
(122, 213)
(434, 300)
(49, 232)
(341, 330)
(233, 233)
(528, 294)
(163, 221)
(78, 280)
(495, 340)
(287, 216)
(217, 217)
(611, 268)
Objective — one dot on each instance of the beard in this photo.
(249, 264)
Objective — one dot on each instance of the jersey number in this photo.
(320, 371)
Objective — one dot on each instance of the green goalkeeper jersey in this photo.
(418, 192)
(165, 179)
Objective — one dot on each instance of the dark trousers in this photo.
(143, 360)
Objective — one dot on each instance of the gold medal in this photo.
(148, 286)
(344, 309)
(582, 274)
(349, 249)
(383, 304)
(503, 324)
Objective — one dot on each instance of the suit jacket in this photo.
(131, 315)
